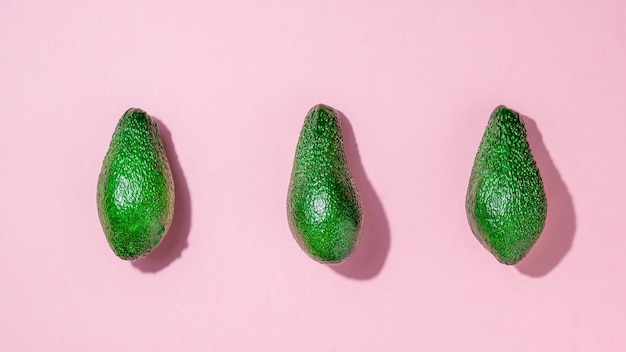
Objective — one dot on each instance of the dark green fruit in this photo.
(506, 204)
(323, 206)
(135, 188)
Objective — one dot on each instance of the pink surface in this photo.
(230, 83)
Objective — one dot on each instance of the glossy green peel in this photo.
(135, 188)
(323, 206)
(506, 203)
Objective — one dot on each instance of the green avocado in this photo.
(506, 203)
(135, 188)
(323, 205)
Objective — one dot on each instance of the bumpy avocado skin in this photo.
(506, 203)
(323, 205)
(135, 188)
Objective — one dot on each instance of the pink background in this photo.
(230, 83)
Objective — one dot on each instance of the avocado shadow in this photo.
(175, 241)
(558, 234)
(371, 252)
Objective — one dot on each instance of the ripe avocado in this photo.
(323, 205)
(135, 188)
(506, 203)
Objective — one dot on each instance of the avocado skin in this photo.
(135, 188)
(323, 205)
(506, 203)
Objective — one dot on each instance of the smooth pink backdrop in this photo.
(230, 83)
